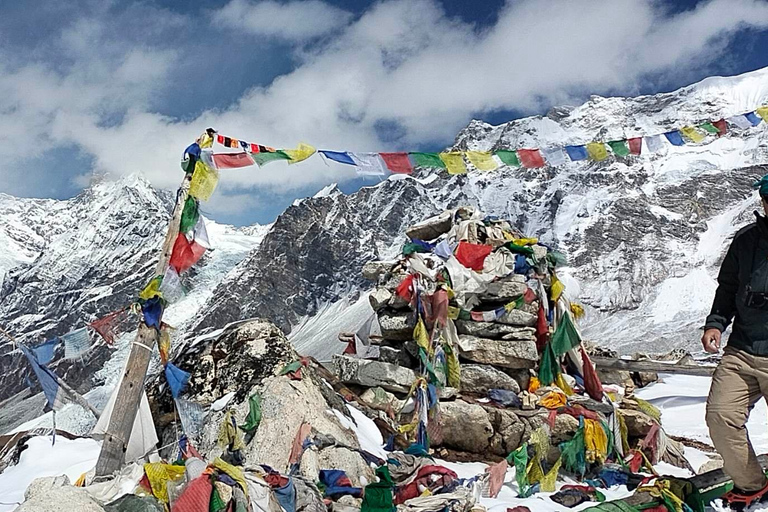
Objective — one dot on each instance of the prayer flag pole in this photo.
(118, 432)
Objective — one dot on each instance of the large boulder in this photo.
(465, 427)
(479, 378)
(638, 423)
(518, 317)
(372, 270)
(368, 373)
(495, 330)
(505, 289)
(396, 326)
(432, 227)
(53, 494)
(505, 353)
(379, 298)
(509, 431)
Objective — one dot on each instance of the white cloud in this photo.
(294, 21)
(401, 60)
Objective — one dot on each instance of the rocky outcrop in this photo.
(55, 493)
(478, 379)
(505, 353)
(373, 373)
(465, 426)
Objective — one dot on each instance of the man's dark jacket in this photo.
(746, 263)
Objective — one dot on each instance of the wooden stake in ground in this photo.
(126, 406)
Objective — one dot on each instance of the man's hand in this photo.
(711, 340)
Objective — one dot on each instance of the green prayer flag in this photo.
(189, 215)
(188, 165)
(709, 127)
(216, 504)
(410, 248)
(619, 147)
(427, 160)
(254, 414)
(290, 368)
(573, 453)
(266, 157)
(378, 495)
(566, 336)
(519, 459)
(519, 249)
(548, 366)
(508, 157)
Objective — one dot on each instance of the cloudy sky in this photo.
(101, 86)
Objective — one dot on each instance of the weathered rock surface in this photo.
(369, 373)
(398, 356)
(430, 228)
(396, 326)
(494, 330)
(509, 430)
(506, 353)
(479, 378)
(372, 270)
(465, 426)
(379, 298)
(54, 494)
(518, 317)
(638, 423)
(505, 289)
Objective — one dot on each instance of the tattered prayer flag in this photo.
(105, 325)
(566, 336)
(368, 164)
(264, 157)
(253, 419)
(721, 126)
(189, 215)
(398, 163)
(530, 158)
(164, 343)
(482, 160)
(489, 316)
(232, 160)
(76, 343)
(152, 310)
(171, 287)
(693, 134)
(577, 153)
(200, 234)
(635, 145)
(752, 118)
(204, 182)
(472, 255)
(709, 128)
(740, 121)
(427, 160)
(654, 143)
(177, 379)
(301, 153)
(477, 316)
(45, 351)
(341, 157)
(619, 147)
(508, 157)
(192, 416)
(554, 156)
(454, 162)
(152, 289)
(185, 254)
(47, 379)
(763, 112)
(597, 151)
(675, 138)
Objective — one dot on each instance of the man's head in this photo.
(761, 186)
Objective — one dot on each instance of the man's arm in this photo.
(724, 305)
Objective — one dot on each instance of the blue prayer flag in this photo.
(48, 381)
(675, 138)
(752, 118)
(45, 351)
(245, 145)
(338, 156)
(153, 312)
(193, 150)
(576, 153)
(177, 379)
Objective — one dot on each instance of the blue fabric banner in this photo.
(177, 379)
(675, 138)
(577, 153)
(338, 156)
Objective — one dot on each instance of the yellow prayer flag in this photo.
(453, 312)
(562, 384)
(525, 241)
(557, 288)
(454, 161)
(482, 160)
(548, 481)
(421, 337)
(205, 141)
(763, 112)
(301, 153)
(152, 289)
(204, 182)
(693, 133)
(597, 151)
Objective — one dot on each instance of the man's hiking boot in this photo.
(739, 500)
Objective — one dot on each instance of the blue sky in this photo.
(116, 87)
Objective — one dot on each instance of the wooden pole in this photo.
(118, 432)
(607, 363)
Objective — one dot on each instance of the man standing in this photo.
(741, 379)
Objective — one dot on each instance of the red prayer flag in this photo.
(530, 157)
(635, 145)
(477, 316)
(542, 329)
(220, 139)
(592, 384)
(185, 254)
(232, 160)
(404, 289)
(472, 255)
(255, 148)
(398, 163)
(722, 127)
(105, 325)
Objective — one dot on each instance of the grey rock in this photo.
(379, 298)
(372, 270)
(369, 373)
(53, 494)
(508, 428)
(506, 353)
(396, 326)
(479, 378)
(638, 423)
(465, 427)
(494, 330)
(398, 356)
(592, 405)
(505, 289)
(431, 228)
(518, 317)
(565, 426)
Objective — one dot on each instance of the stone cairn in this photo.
(496, 345)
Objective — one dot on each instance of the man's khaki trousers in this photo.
(739, 382)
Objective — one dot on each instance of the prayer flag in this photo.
(338, 156)
(597, 151)
(508, 157)
(189, 214)
(171, 287)
(653, 143)
(482, 160)
(153, 312)
(554, 156)
(185, 254)
(76, 343)
(45, 351)
(427, 160)
(576, 153)
(763, 112)
(675, 138)
(619, 147)
(220, 139)
(752, 118)
(301, 153)
(530, 158)
(740, 121)
(152, 289)
(254, 148)
(398, 163)
(232, 160)
(722, 126)
(47, 379)
(105, 325)
(200, 234)
(472, 255)
(245, 145)
(204, 182)
(368, 164)
(192, 416)
(566, 336)
(205, 140)
(709, 128)
(454, 162)
(264, 157)
(177, 379)
(635, 145)
(693, 134)
(489, 316)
